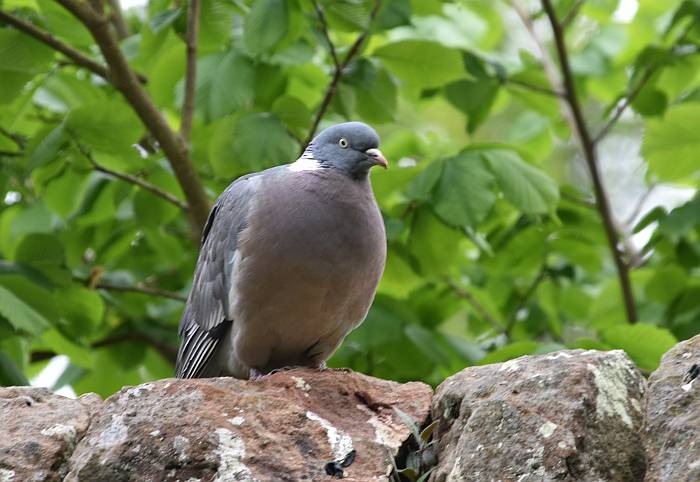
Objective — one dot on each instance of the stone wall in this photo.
(564, 416)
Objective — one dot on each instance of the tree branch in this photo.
(478, 307)
(338, 67)
(589, 154)
(191, 72)
(143, 184)
(124, 79)
(78, 57)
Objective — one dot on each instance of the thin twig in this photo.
(524, 300)
(548, 65)
(464, 294)
(143, 184)
(634, 92)
(117, 20)
(338, 67)
(640, 204)
(124, 79)
(144, 290)
(622, 106)
(18, 139)
(45, 37)
(191, 70)
(535, 88)
(578, 200)
(326, 33)
(589, 155)
(572, 14)
(167, 350)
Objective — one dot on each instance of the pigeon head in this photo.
(351, 147)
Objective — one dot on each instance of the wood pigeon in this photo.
(289, 262)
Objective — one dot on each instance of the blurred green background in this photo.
(497, 236)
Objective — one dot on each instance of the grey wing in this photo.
(205, 322)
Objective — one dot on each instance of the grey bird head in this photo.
(351, 147)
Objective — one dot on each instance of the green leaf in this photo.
(525, 186)
(422, 62)
(464, 195)
(10, 374)
(433, 244)
(510, 351)
(294, 113)
(650, 102)
(265, 25)
(474, 98)
(48, 148)
(666, 284)
(254, 142)
(19, 314)
(375, 90)
(20, 53)
(226, 83)
(421, 187)
(111, 127)
(671, 144)
(645, 344)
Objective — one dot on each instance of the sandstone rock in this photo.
(672, 433)
(38, 432)
(570, 415)
(285, 427)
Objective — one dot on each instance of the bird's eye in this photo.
(343, 142)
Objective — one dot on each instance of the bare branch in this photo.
(143, 184)
(589, 154)
(117, 19)
(78, 57)
(191, 72)
(478, 307)
(124, 79)
(338, 67)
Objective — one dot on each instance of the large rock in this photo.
(291, 426)
(38, 432)
(672, 434)
(570, 415)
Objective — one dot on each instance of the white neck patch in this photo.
(305, 163)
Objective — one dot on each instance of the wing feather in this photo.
(205, 321)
